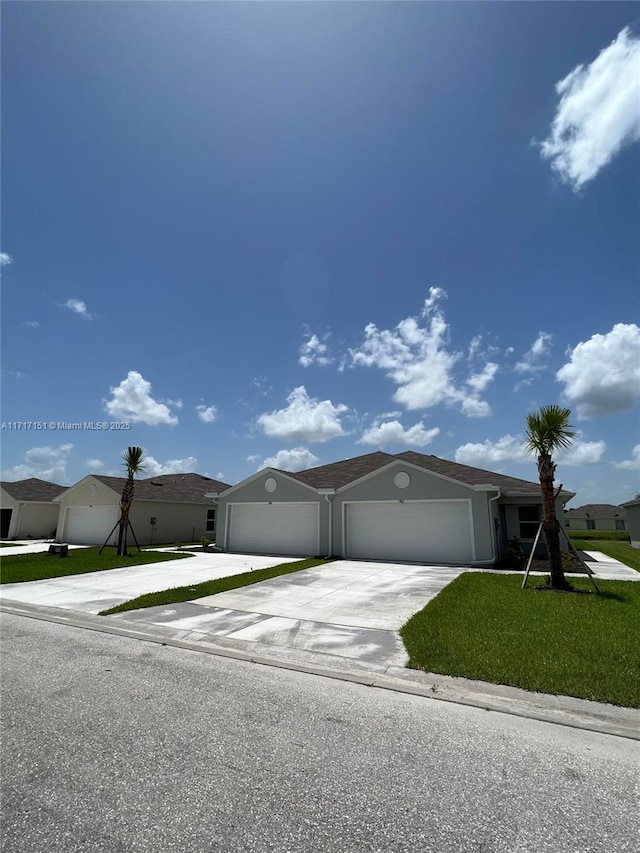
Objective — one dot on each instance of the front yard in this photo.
(485, 627)
(36, 567)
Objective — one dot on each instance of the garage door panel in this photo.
(277, 528)
(413, 531)
(89, 525)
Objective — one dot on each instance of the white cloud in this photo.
(314, 351)
(513, 448)
(304, 419)
(485, 453)
(252, 458)
(32, 323)
(581, 453)
(78, 307)
(95, 464)
(296, 459)
(598, 113)
(392, 432)
(532, 360)
(602, 375)
(46, 463)
(207, 414)
(131, 401)
(416, 358)
(5, 259)
(632, 464)
(153, 468)
(220, 476)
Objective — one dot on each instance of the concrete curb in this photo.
(560, 710)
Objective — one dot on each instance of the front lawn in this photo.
(621, 551)
(36, 567)
(199, 590)
(485, 627)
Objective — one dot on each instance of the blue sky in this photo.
(290, 233)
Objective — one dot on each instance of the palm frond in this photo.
(132, 461)
(549, 430)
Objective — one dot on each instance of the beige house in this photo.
(596, 517)
(166, 509)
(27, 509)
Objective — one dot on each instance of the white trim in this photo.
(265, 472)
(402, 463)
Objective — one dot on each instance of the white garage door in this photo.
(277, 528)
(414, 531)
(90, 525)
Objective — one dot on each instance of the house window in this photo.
(591, 524)
(619, 525)
(567, 523)
(529, 518)
(211, 521)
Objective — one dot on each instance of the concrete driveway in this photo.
(348, 608)
(96, 591)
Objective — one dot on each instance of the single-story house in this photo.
(632, 509)
(407, 507)
(595, 517)
(165, 509)
(27, 509)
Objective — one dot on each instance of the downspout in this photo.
(494, 545)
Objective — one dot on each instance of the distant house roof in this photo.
(181, 488)
(338, 474)
(596, 511)
(32, 489)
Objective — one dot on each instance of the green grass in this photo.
(621, 551)
(199, 590)
(611, 535)
(35, 567)
(484, 626)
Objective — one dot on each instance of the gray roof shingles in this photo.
(338, 474)
(32, 489)
(596, 511)
(178, 488)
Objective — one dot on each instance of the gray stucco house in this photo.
(632, 509)
(407, 507)
(595, 517)
(165, 509)
(27, 509)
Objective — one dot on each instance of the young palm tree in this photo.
(132, 460)
(549, 430)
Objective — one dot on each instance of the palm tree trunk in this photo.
(546, 471)
(125, 507)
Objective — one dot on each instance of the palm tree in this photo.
(132, 460)
(547, 431)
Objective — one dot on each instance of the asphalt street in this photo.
(111, 744)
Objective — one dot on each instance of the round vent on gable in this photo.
(92, 489)
(402, 479)
(270, 484)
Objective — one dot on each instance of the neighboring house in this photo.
(595, 517)
(27, 509)
(166, 509)
(407, 507)
(632, 510)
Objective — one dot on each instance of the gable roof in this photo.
(180, 488)
(596, 511)
(338, 474)
(32, 489)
